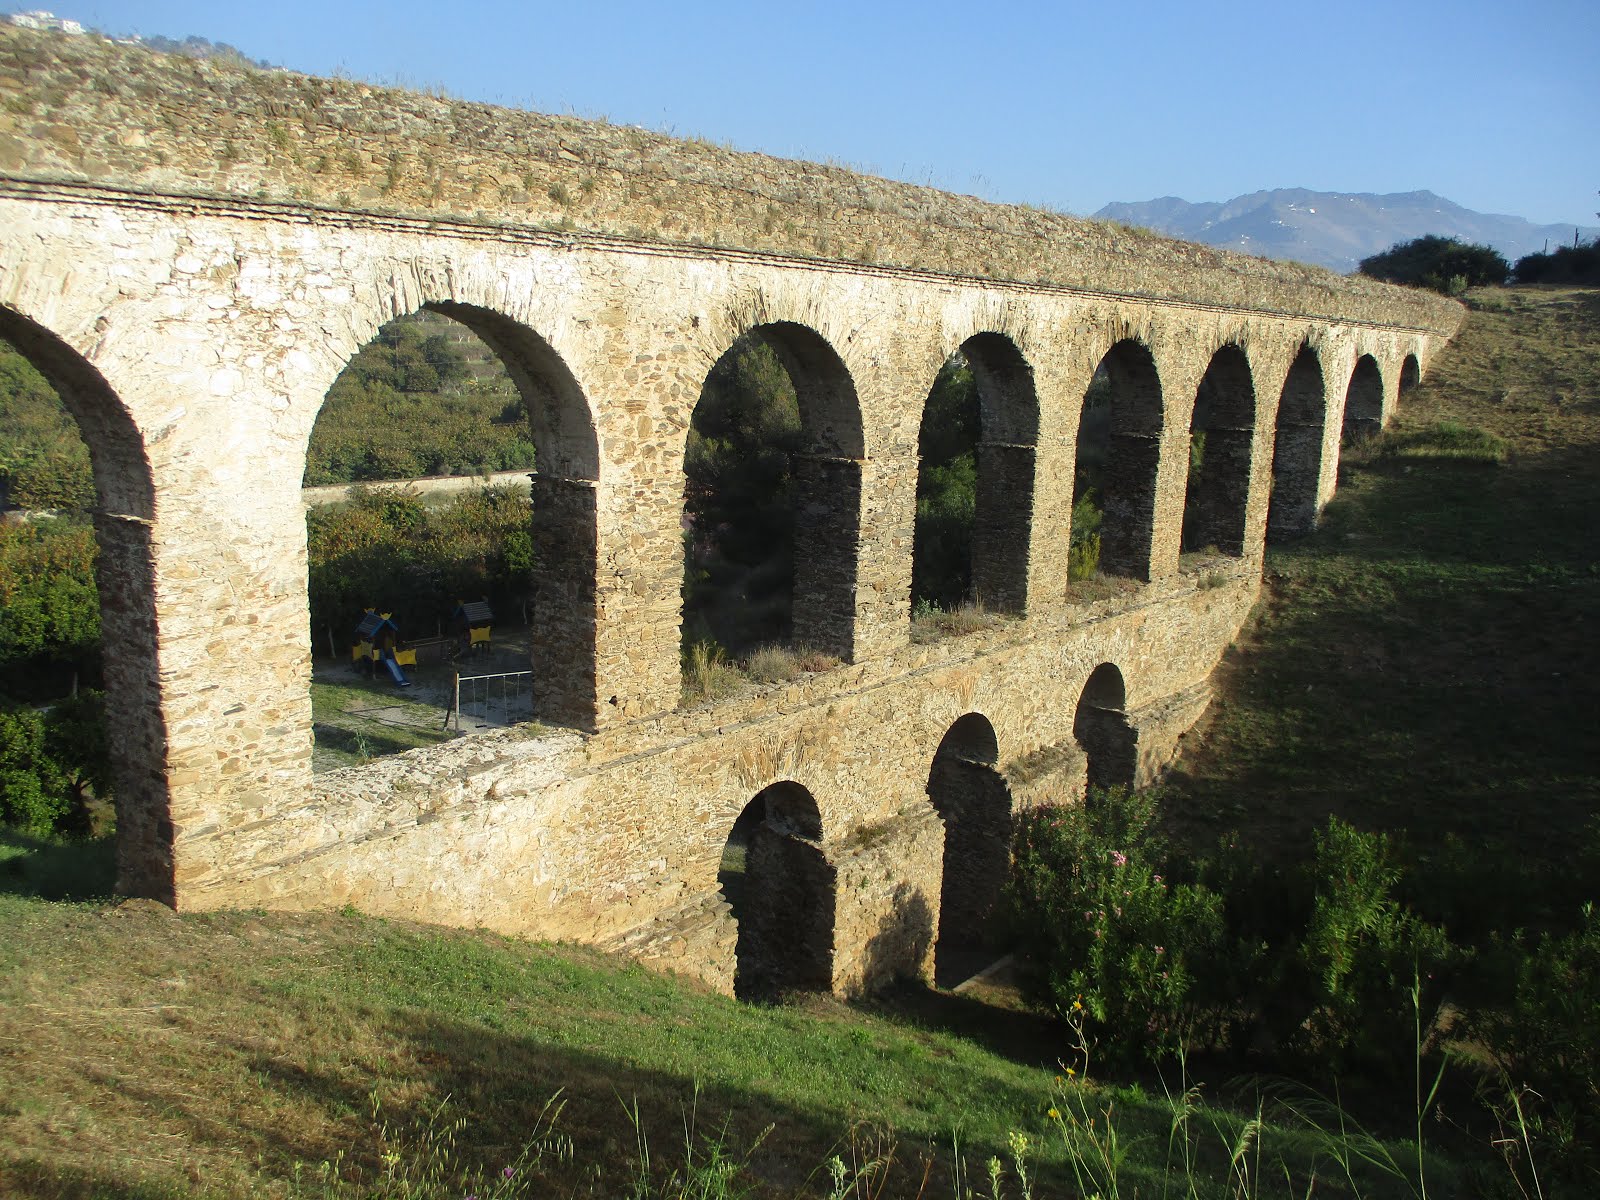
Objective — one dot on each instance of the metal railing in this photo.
(484, 705)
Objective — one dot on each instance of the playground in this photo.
(361, 711)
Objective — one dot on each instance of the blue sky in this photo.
(1493, 104)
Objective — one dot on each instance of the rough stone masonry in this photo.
(192, 253)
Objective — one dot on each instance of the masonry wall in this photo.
(195, 337)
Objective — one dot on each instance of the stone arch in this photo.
(1410, 373)
(1297, 449)
(123, 520)
(1007, 448)
(1100, 725)
(973, 800)
(1363, 401)
(780, 888)
(1121, 425)
(1219, 465)
(825, 482)
(564, 527)
(1003, 445)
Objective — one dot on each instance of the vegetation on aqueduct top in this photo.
(1423, 669)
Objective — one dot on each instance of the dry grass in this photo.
(710, 675)
(929, 623)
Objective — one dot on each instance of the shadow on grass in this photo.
(1033, 1039)
(1427, 661)
(57, 868)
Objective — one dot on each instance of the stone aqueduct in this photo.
(192, 288)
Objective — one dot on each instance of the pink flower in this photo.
(1119, 858)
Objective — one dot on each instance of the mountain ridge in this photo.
(1335, 229)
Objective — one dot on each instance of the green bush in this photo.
(49, 604)
(1101, 926)
(44, 463)
(739, 501)
(947, 489)
(52, 762)
(1546, 1042)
(1362, 955)
(1083, 554)
(1443, 264)
(410, 404)
(387, 549)
(1565, 264)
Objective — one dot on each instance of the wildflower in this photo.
(1070, 1071)
(1161, 949)
(1119, 858)
(1053, 1113)
(508, 1173)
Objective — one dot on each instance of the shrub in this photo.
(1546, 1041)
(388, 549)
(707, 673)
(49, 604)
(1565, 264)
(1362, 955)
(51, 762)
(44, 463)
(1443, 264)
(1083, 555)
(1100, 925)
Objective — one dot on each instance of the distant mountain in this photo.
(1335, 229)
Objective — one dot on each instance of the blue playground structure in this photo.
(378, 641)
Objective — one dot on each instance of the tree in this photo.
(1444, 264)
(52, 762)
(738, 496)
(947, 487)
(49, 605)
(43, 461)
(1578, 263)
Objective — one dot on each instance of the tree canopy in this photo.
(425, 397)
(1443, 264)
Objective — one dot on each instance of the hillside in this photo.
(1428, 660)
(1335, 229)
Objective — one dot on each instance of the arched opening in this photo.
(974, 802)
(92, 599)
(1114, 479)
(492, 582)
(1221, 435)
(1101, 728)
(772, 496)
(1297, 450)
(976, 448)
(780, 887)
(1410, 373)
(1363, 402)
